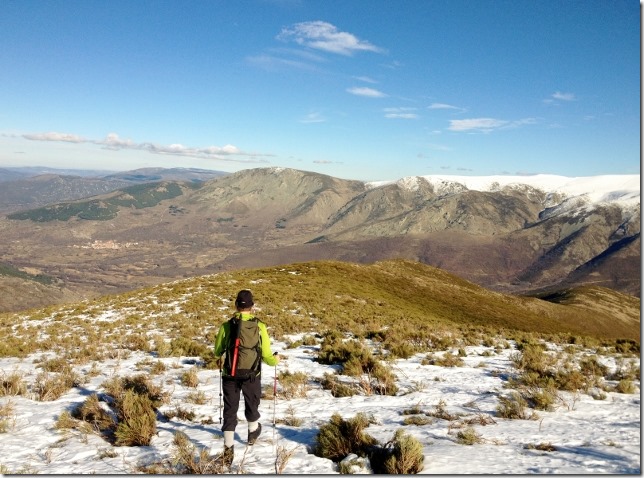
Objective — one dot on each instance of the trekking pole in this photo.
(274, 409)
(220, 393)
(274, 395)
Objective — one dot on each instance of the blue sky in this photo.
(368, 90)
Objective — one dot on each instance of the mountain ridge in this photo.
(511, 239)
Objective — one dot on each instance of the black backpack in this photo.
(244, 351)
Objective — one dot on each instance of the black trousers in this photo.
(252, 391)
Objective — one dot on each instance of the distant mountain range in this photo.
(522, 235)
(30, 187)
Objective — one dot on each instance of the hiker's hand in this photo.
(219, 362)
(277, 358)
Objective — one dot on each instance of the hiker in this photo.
(242, 369)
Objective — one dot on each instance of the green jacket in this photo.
(221, 343)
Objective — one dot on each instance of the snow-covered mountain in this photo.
(621, 189)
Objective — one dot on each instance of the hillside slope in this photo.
(397, 301)
(510, 237)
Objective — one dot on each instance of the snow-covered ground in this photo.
(623, 189)
(587, 435)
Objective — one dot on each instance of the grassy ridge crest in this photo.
(405, 304)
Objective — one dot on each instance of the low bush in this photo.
(418, 420)
(403, 455)
(293, 385)
(468, 436)
(338, 389)
(514, 407)
(65, 421)
(188, 460)
(189, 378)
(440, 411)
(136, 420)
(49, 387)
(339, 438)
(12, 384)
(625, 386)
(290, 419)
(92, 412)
(7, 416)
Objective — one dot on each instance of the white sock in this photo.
(252, 426)
(229, 438)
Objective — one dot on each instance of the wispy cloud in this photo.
(53, 136)
(400, 113)
(487, 125)
(313, 118)
(366, 79)
(443, 106)
(113, 142)
(365, 91)
(273, 63)
(563, 96)
(326, 37)
(558, 96)
(476, 124)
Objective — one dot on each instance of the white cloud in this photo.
(476, 124)
(313, 118)
(486, 125)
(442, 106)
(53, 136)
(325, 36)
(366, 79)
(113, 142)
(563, 96)
(400, 113)
(364, 91)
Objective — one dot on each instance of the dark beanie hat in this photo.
(244, 299)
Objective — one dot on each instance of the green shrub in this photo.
(404, 455)
(139, 384)
(440, 411)
(186, 347)
(7, 416)
(197, 397)
(625, 386)
(541, 398)
(12, 384)
(418, 420)
(136, 420)
(573, 380)
(188, 460)
(590, 367)
(468, 436)
(49, 387)
(90, 411)
(401, 349)
(293, 385)
(514, 407)
(65, 421)
(290, 419)
(180, 413)
(338, 389)
(339, 438)
(532, 358)
(189, 378)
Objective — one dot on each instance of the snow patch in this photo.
(411, 183)
(623, 190)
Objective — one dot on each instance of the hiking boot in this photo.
(252, 436)
(228, 455)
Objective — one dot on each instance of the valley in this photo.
(521, 240)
